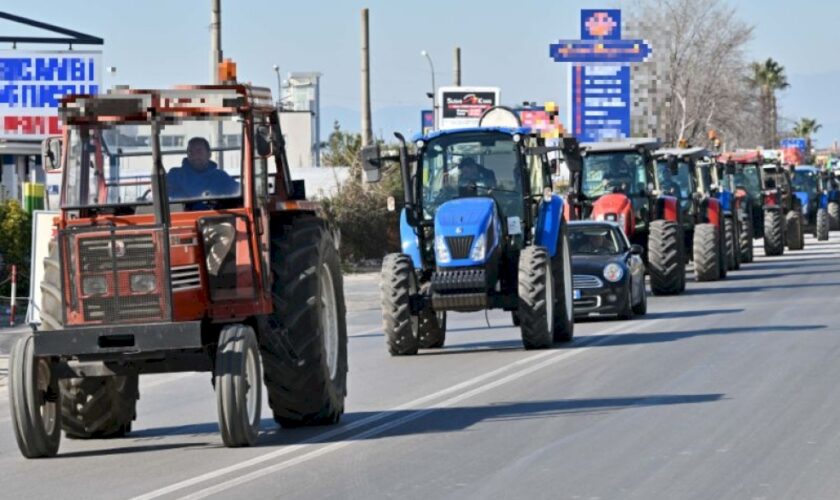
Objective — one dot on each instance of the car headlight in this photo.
(143, 283)
(613, 272)
(94, 285)
(479, 248)
(441, 250)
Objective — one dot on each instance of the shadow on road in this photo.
(674, 314)
(753, 289)
(657, 337)
(124, 450)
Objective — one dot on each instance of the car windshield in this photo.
(748, 177)
(111, 164)
(678, 184)
(594, 240)
(472, 164)
(612, 172)
(805, 181)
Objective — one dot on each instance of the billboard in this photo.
(460, 107)
(427, 121)
(32, 84)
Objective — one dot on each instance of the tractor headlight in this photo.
(441, 250)
(94, 285)
(479, 248)
(613, 272)
(143, 283)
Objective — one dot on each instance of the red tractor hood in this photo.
(615, 207)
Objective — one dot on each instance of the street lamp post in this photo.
(279, 87)
(433, 95)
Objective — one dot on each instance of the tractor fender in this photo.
(667, 208)
(409, 242)
(713, 211)
(549, 221)
(727, 201)
(615, 207)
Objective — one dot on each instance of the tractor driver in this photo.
(199, 176)
(473, 174)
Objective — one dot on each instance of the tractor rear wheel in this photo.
(536, 298)
(432, 331)
(564, 317)
(91, 407)
(834, 216)
(398, 282)
(733, 256)
(774, 243)
(822, 228)
(794, 232)
(707, 248)
(666, 258)
(33, 398)
(238, 382)
(304, 341)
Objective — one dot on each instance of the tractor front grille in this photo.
(120, 262)
(459, 246)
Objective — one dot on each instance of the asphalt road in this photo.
(728, 391)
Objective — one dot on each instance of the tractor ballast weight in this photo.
(617, 182)
(149, 275)
(481, 229)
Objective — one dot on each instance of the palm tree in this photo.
(806, 127)
(769, 77)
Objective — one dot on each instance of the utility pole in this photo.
(367, 128)
(215, 40)
(457, 70)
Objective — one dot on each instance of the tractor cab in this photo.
(676, 174)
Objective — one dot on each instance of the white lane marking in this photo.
(316, 440)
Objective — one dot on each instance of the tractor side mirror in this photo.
(637, 249)
(51, 154)
(262, 139)
(371, 163)
(572, 154)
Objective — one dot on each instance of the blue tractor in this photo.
(831, 179)
(808, 186)
(481, 229)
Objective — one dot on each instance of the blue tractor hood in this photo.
(459, 224)
(803, 198)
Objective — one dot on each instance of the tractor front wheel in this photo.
(238, 381)
(745, 238)
(398, 282)
(707, 258)
(774, 243)
(733, 256)
(795, 234)
(304, 341)
(822, 228)
(33, 394)
(834, 216)
(536, 298)
(666, 258)
(564, 317)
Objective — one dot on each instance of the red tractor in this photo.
(617, 182)
(160, 263)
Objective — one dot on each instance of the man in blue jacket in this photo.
(199, 176)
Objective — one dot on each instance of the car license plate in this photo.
(577, 294)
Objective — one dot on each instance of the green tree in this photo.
(769, 77)
(342, 150)
(15, 245)
(807, 127)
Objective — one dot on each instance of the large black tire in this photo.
(822, 226)
(432, 330)
(33, 399)
(238, 381)
(397, 283)
(774, 232)
(514, 317)
(666, 258)
(707, 258)
(745, 238)
(561, 265)
(99, 407)
(733, 256)
(304, 341)
(91, 407)
(794, 232)
(536, 304)
(834, 216)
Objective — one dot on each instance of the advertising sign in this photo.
(460, 107)
(32, 84)
(795, 142)
(427, 121)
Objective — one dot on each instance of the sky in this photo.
(159, 43)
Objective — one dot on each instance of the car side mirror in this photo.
(637, 249)
(371, 163)
(51, 154)
(262, 138)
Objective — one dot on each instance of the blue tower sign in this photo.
(599, 83)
